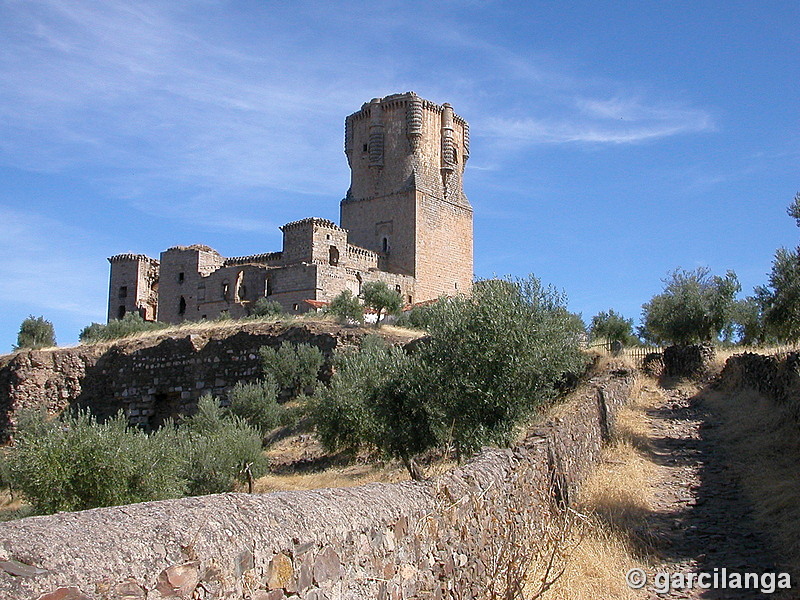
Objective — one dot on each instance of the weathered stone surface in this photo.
(327, 566)
(281, 573)
(179, 580)
(64, 593)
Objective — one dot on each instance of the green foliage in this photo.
(694, 307)
(35, 332)
(794, 208)
(613, 327)
(344, 414)
(257, 404)
(491, 360)
(380, 298)
(416, 318)
(224, 315)
(346, 307)
(130, 324)
(76, 463)
(294, 367)
(266, 308)
(220, 446)
(780, 298)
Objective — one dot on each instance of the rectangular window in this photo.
(181, 277)
(123, 291)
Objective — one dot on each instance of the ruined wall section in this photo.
(151, 379)
(133, 286)
(183, 268)
(447, 538)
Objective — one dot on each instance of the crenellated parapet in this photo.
(132, 257)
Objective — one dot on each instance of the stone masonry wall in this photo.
(776, 376)
(153, 378)
(451, 537)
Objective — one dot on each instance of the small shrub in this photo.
(35, 332)
(344, 415)
(257, 404)
(221, 448)
(416, 318)
(346, 307)
(224, 315)
(76, 463)
(294, 367)
(130, 324)
(266, 308)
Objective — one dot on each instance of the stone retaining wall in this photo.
(156, 377)
(775, 376)
(452, 537)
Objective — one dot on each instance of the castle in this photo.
(405, 221)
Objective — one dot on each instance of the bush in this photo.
(491, 360)
(346, 307)
(344, 415)
(416, 318)
(257, 404)
(222, 449)
(294, 367)
(76, 463)
(130, 324)
(35, 332)
(266, 308)
(488, 363)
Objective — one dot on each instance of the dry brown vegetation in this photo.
(607, 533)
(763, 445)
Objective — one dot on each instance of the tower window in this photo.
(455, 155)
(295, 307)
(120, 312)
(365, 148)
(123, 291)
(333, 256)
(181, 277)
(182, 306)
(397, 288)
(268, 290)
(225, 290)
(385, 245)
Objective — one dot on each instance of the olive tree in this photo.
(694, 307)
(380, 298)
(35, 332)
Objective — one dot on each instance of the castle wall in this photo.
(182, 270)
(453, 537)
(133, 286)
(444, 260)
(392, 217)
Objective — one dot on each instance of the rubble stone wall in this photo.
(775, 376)
(154, 378)
(451, 537)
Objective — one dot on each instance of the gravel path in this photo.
(701, 522)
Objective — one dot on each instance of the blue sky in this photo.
(611, 142)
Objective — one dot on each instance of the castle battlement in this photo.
(405, 221)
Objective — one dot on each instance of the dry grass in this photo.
(763, 445)
(611, 537)
(333, 477)
(12, 507)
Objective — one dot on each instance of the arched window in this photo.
(385, 245)
(333, 256)
(268, 287)
(182, 306)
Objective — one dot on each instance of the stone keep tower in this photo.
(406, 200)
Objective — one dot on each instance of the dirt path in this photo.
(700, 520)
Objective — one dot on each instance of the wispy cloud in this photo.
(47, 267)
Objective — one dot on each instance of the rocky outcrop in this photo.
(448, 538)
